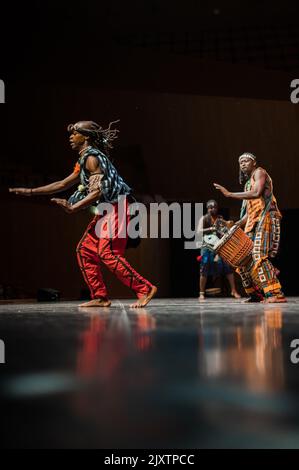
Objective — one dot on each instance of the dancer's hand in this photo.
(224, 191)
(64, 204)
(21, 191)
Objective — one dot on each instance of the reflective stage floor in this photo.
(178, 374)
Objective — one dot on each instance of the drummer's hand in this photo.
(230, 223)
(224, 191)
(239, 223)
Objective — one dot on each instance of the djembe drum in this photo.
(235, 247)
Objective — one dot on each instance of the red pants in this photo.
(93, 249)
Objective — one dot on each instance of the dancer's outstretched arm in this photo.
(52, 188)
(254, 193)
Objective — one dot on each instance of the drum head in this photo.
(225, 237)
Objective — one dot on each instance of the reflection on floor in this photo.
(178, 374)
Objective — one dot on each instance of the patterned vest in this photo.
(112, 185)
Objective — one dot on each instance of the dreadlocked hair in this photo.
(107, 136)
(100, 137)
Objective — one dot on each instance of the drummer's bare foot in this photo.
(201, 296)
(97, 303)
(143, 301)
(252, 300)
(235, 294)
(279, 299)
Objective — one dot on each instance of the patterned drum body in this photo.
(235, 247)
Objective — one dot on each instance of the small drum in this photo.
(235, 247)
(211, 240)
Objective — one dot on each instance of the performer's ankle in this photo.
(255, 296)
(278, 294)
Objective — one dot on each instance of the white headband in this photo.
(247, 155)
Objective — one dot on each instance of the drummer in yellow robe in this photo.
(260, 218)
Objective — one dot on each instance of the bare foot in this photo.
(97, 303)
(251, 300)
(235, 295)
(275, 300)
(201, 296)
(146, 299)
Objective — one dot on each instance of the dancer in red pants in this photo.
(106, 237)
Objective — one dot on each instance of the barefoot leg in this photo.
(275, 300)
(97, 303)
(143, 301)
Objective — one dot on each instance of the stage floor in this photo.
(178, 374)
